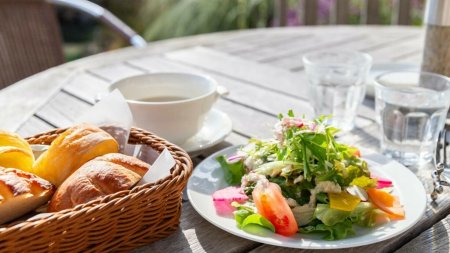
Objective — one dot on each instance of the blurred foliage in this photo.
(162, 19)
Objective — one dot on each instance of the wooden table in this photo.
(263, 71)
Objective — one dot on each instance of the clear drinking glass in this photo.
(411, 109)
(337, 84)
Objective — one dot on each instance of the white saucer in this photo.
(216, 128)
(379, 69)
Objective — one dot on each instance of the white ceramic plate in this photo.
(378, 69)
(208, 177)
(216, 128)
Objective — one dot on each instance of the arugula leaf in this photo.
(322, 197)
(299, 191)
(233, 172)
(290, 113)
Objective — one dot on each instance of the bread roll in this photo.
(99, 177)
(71, 149)
(15, 152)
(21, 192)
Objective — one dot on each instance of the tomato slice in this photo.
(387, 203)
(273, 206)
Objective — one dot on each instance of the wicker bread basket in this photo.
(117, 222)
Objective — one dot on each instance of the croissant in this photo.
(21, 192)
(101, 176)
(71, 149)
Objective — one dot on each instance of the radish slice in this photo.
(223, 199)
(382, 182)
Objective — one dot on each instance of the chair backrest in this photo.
(30, 39)
(340, 12)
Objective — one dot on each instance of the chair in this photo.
(30, 39)
(370, 15)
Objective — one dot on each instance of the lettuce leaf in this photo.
(250, 221)
(364, 182)
(330, 216)
(257, 219)
(233, 172)
(335, 232)
(367, 215)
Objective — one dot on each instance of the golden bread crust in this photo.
(99, 177)
(21, 192)
(71, 149)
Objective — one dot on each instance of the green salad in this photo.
(304, 181)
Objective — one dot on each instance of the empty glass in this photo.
(411, 110)
(337, 84)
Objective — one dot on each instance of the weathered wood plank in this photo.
(251, 72)
(114, 72)
(33, 126)
(86, 86)
(414, 57)
(62, 110)
(370, 43)
(247, 121)
(314, 42)
(198, 235)
(19, 101)
(435, 239)
(386, 54)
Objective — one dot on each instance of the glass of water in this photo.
(337, 84)
(411, 110)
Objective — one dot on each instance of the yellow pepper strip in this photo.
(343, 201)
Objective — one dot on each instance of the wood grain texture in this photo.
(33, 126)
(251, 72)
(367, 42)
(435, 239)
(86, 86)
(198, 235)
(62, 110)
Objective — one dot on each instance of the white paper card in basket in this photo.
(159, 169)
(113, 115)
